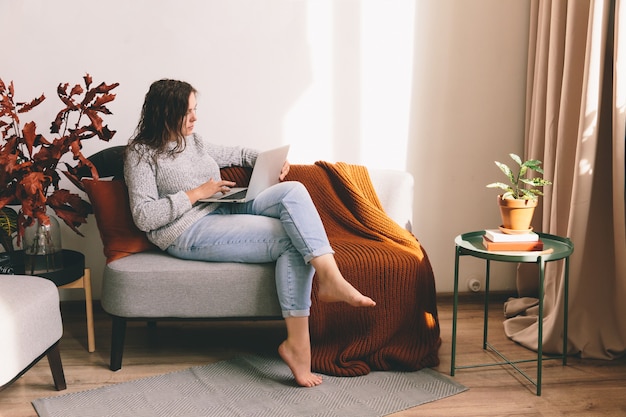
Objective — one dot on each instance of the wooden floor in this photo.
(582, 388)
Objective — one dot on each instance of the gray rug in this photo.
(252, 386)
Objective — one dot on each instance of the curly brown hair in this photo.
(162, 115)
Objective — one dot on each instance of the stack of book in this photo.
(496, 240)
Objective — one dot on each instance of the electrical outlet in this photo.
(474, 285)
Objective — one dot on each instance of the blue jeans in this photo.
(281, 224)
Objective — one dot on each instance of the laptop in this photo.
(265, 173)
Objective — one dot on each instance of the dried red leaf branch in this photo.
(29, 161)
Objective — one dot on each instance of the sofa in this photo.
(141, 282)
(30, 327)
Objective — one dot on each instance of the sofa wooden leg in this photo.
(153, 338)
(117, 342)
(56, 367)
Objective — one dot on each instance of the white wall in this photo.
(349, 80)
(468, 110)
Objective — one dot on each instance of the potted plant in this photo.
(521, 194)
(29, 161)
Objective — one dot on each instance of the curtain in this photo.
(575, 124)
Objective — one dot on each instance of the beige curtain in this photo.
(576, 115)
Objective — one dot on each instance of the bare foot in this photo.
(333, 287)
(340, 290)
(300, 364)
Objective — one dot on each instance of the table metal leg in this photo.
(565, 309)
(542, 267)
(486, 309)
(455, 305)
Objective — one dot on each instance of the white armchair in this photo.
(30, 327)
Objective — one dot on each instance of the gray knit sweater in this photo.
(158, 201)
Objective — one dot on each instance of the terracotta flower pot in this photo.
(516, 214)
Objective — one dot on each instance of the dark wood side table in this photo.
(555, 248)
(73, 275)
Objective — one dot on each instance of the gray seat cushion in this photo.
(155, 284)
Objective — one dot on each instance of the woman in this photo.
(168, 168)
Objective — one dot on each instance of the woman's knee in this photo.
(292, 187)
(296, 191)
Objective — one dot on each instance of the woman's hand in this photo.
(284, 171)
(208, 189)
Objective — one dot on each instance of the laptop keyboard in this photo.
(236, 196)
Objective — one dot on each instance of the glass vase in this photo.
(42, 247)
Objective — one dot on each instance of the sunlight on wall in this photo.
(311, 137)
(357, 106)
(387, 55)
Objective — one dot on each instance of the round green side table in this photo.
(555, 248)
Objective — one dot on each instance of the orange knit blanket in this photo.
(383, 261)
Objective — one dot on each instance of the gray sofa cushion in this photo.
(155, 284)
